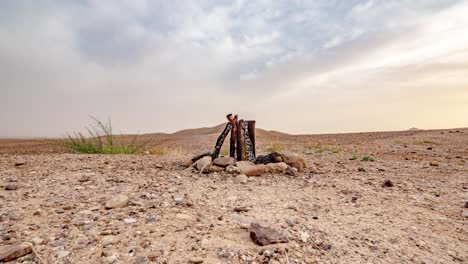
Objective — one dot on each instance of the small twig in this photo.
(37, 254)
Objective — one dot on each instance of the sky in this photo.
(323, 66)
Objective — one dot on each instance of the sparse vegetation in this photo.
(353, 157)
(159, 151)
(275, 147)
(322, 149)
(367, 158)
(101, 140)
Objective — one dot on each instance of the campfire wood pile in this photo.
(242, 154)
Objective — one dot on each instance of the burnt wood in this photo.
(241, 155)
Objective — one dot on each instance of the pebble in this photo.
(109, 240)
(196, 260)
(241, 178)
(37, 241)
(304, 236)
(11, 187)
(152, 218)
(361, 169)
(434, 163)
(387, 183)
(130, 221)
(183, 216)
(117, 202)
(63, 254)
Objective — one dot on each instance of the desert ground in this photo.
(336, 211)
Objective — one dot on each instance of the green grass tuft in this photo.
(275, 147)
(101, 140)
(368, 158)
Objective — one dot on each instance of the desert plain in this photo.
(381, 197)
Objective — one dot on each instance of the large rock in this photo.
(275, 157)
(224, 161)
(277, 167)
(214, 168)
(232, 169)
(250, 169)
(294, 161)
(263, 235)
(204, 163)
(118, 201)
(14, 251)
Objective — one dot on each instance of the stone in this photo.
(434, 163)
(14, 251)
(63, 254)
(279, 167)
(204, 163)
(465, 214)
(37, 241)
(263, 159)
(196, 260)
(361, 169)
(466, 204)
(250, 169)
(129, 221)
(387, 183)
(294, 161)
(197, 157)
(275, 157)
(19, 163)
(215, 168)
(118, 201)
(263, 235)
(183, 217)
(291, 171)
(304, 237)
(110, 240)
(224, 161)
(232, 169)
(11, 187)
(241, 178)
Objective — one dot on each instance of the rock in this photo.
(37, 241)
(313, 170)
(129, 221)
(241, 178)
(214, 168)
(19, 163)
(14, 251)
(263, 235)
(241, 209)
(232, 169)
(118, 201)
(110, 240)
(183, 217)
(275, 157)
(387, 183)
(465, 214)
(204, 163)
(152, 218)
(361, 169)
(291, 171)
(304, 237)
(434, 163)
(295, 161)
(63, 254)
(263, 159)
(466, 204)
(224, 161)
(196, 158)
(11, 187)
(250, 169)
(196, 260)
(279, 167)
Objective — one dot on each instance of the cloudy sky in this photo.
(294, 66)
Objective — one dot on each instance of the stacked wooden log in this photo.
(242, 141)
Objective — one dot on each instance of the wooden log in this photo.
(251, 126)
(220, 141)
(241, 155)
(233, 141)
(249, 151)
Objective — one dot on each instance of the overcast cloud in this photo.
(294, 66)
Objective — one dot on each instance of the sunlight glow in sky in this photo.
(294, 66)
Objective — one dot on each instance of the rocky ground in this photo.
(406, 206)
